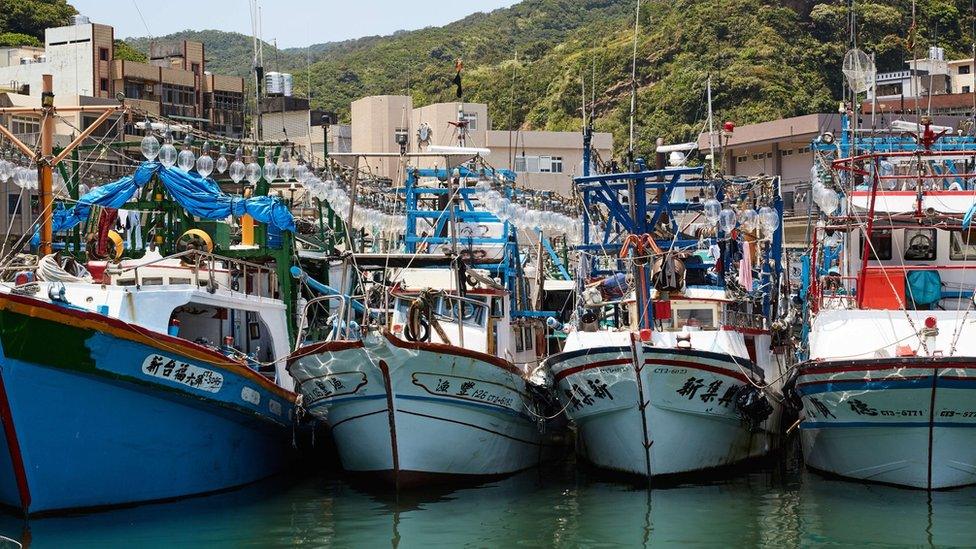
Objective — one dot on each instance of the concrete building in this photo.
(174, 83)
(922, 77)
(542, 159)
(287, 118)
(961, 72)
(779, 147)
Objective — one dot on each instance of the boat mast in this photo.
(44, 158)
(711, 126)
(633, 87)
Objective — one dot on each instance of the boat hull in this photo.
(909, 422)
(98, 413)
(413, 414)
(652, 411)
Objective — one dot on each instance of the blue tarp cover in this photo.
(198, 195)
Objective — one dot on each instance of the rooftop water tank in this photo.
(287, 83)
(273, 83)
(936, 53)
(80, 19)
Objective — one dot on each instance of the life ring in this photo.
(197, 238)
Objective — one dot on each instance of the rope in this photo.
(49, 270)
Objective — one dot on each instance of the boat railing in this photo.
(264, 278)
(837, 292)
(741, 319)
(320, 302)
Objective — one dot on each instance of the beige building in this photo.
(961, 72)
(542, 159)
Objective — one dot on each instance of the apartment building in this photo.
(174, 83)
(542, 160)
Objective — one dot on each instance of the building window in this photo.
(787, 152)
(22, 127)
(195, 68)
(13, 205)
(539, 164)
(966, 89)
(756, 156)
(103, 84)
(803, 150)
(471, 118)
(769, 155)
(964, 69)
(103, 54)
(741, 159)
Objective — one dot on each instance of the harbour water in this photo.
(776, 505)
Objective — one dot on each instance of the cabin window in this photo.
(962, 245)
(703, 317)
(920, 244)
(472, 310)
(497, 307)
(880, 244)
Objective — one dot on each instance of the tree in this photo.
(8, 39)
(31, 17)
(126, 52)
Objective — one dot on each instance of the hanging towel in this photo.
(745, 266)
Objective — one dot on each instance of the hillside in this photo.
(767, 59)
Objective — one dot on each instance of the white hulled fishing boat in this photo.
(887, 382)
(425, 376)
(669, 366)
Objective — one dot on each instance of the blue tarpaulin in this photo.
(198, 195)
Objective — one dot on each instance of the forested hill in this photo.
(767, 58)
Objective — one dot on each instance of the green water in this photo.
(775, 506)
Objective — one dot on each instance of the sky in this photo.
(293, 23)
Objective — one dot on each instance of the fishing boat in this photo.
(426, 376)
(887, 376)
(670, 365)
(129, 381)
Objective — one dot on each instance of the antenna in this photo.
(633, 86)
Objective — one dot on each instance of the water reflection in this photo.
(557, 507)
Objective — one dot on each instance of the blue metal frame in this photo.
(655, 188)
(465, 211)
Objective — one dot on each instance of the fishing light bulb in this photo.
(285, 168)
(749, 220)
(727, 220)
(6, 169)
(769, 219)
(252, 172)
(205, 165)
(221, 164)
(167, 155)
(828, 201)
(150, 147)
(186, 159)
(270, 171)
(712, 210)
(301, 173)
